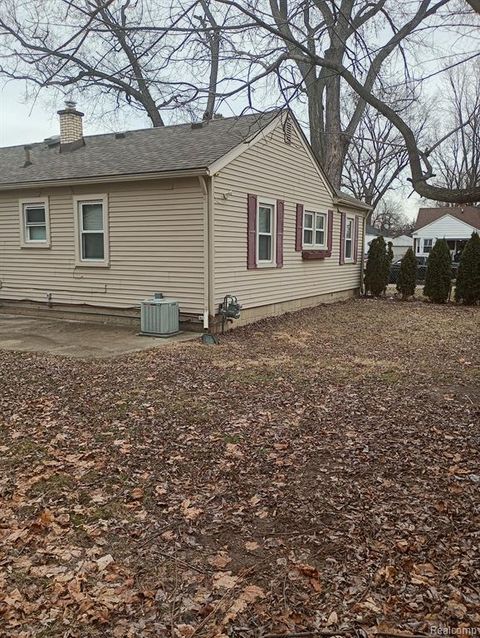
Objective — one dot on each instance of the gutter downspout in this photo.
(362, 261)
(211, 247)
(206, 186)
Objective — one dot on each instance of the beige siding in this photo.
(279, 171)
(156, 244)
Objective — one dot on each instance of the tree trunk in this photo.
(334, 143)
(315, 119)
(155, 117)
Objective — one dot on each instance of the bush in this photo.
(407, 277)
(388, 263)
(376, 271)
(390, 253)
(438, 278)
(467, 289)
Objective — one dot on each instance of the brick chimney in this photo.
(71, 127)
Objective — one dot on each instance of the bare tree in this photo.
(376, 156)
(458, 158)
(344, 61)
(389, 217)
(326, 35)
(124, 52)
(191, 57)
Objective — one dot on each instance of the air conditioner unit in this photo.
(159, 317)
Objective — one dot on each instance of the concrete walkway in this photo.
(75, 338)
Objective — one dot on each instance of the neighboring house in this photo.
(400, 246)
(236, 206)
(371, 233)
(455, 224)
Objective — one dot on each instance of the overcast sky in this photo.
(22, 123)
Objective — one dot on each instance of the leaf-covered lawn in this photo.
(318, 470)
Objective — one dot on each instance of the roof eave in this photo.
(102, 179)
(353, 204)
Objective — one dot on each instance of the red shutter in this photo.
(279, 232)
(251, 231)
(355, 246)
(343, 220)
(330, 233)
(299, 228)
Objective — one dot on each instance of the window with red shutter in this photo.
(299, 228)
(251, 231)
(279, 231)
(343, 219)
(355, 245)
(314, 234)
(330, 232)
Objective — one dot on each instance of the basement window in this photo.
(92, 231)
(35, 230)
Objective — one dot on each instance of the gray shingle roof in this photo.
(350, 199)
(153, 150)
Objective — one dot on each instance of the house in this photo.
(400, 246)
(372, 233)
(455, 224)
(95, 224)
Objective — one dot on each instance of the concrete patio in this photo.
(76, 338)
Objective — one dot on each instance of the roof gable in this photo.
(468, 214)
(454, 218)
(272, 125)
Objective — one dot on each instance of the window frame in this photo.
(78, 201)
(314, 245)
(351, 259)
(430, 246)
(266, 202)
(34, 202)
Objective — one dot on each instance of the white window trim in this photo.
(424, 239)
(349, 260)
(268, 201)
(34, 243)
(90, 199)
(314, 245)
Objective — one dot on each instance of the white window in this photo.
(427, 245)
(349, 232)
(265, 232)
(314, 230)
(92, 230)
(35, 231)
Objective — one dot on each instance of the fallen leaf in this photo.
(137, 493)
(224, 580)
(219, 561)
(104, 562)
(332, 619)
(249, 595)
